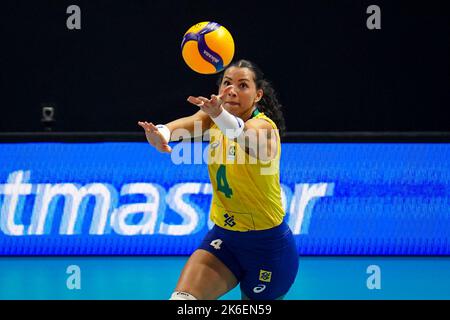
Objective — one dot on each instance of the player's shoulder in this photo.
(259, 123)
(263, 121)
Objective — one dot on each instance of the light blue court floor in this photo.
(153, 278)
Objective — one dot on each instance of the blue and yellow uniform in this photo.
(246, 191)
(250, 236)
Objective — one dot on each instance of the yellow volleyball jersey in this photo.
(246, 191)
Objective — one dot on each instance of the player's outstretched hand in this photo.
(213, 106)
(154, 137)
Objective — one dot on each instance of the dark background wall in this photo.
(331, 72)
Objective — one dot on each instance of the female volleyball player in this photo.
(250, 243)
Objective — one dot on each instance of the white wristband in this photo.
(164, 131)
(230, 125)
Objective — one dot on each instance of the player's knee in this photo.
(180, 295)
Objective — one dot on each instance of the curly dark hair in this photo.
(269, 102)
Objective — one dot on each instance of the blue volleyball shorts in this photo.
(265, 262)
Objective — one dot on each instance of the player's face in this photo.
(241, 99)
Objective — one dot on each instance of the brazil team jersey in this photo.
(246, 191)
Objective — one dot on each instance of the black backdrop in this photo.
(331, 72)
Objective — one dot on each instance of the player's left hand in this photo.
(213, 106)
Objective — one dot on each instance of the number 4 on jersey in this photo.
(222, 183)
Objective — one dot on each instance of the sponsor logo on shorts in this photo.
(259, 288)
(265, 275)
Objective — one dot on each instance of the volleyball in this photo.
(207, 47)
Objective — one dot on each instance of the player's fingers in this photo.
(154, 137)
(226, 91)
(195, 101)
(205, 101)
(166, 148)
(150, 127)
(144, 126)
(215, 100)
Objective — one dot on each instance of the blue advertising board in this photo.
(126, 198)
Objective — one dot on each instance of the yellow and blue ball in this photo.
(207, 47)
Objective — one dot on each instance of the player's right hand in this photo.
(213, 106)
(154, 137)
